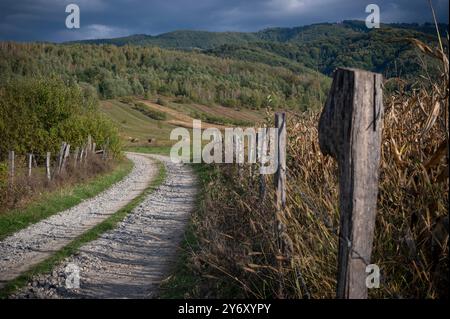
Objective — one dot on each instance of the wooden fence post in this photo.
(12, 167)
(30, 162)
(105, 150)
(47, 165)
(65, 156)
(280, 195)
(61, 155)
(81, 156)
(280, 177)
(350, 130)
(89, 143)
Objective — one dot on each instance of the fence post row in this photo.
(350, 129)
(80, 154)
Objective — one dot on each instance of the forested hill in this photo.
(321, 47)
(113, 71)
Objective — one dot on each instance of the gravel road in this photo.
(35, 243)
(131, 260)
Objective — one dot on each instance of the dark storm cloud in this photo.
(45, 19)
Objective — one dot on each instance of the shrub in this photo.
(161, 102)
(153, 114)
(38, 114)
(213, 119)
(127, 100)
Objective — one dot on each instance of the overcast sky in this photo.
(44, 20)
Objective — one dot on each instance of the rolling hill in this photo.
(321, 47)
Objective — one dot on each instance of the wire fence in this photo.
(53, 165)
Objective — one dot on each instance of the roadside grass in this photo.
(110, 223)
(50, 203)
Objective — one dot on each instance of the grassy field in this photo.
(136, 128)
(134, 124)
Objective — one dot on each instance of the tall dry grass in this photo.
(24, 188)
(238, 253)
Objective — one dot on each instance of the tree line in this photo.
(110, 71)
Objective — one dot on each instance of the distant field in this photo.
(136, 128)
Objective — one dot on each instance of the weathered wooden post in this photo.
(47, 165)
(81, 156)
(30, 162)
(280, 176)
(105, 150)
(12, 168)
(350, 130)
(280, 193)
(65, 156)
(61, 155)
(89, 143)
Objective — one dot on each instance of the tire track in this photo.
(131, 260)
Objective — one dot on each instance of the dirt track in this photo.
(131, 260)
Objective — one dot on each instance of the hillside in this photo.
(321, 47)
(138, 129)
(112, 71)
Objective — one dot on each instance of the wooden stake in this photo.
(66, 155)
(89, 143)
(350, 130)
(61, 155)
(30, 162)
(280, 176)
(280, 195)
(47, 165)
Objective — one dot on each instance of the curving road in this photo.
(131, 260)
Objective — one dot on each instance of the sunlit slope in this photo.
(137, 128)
